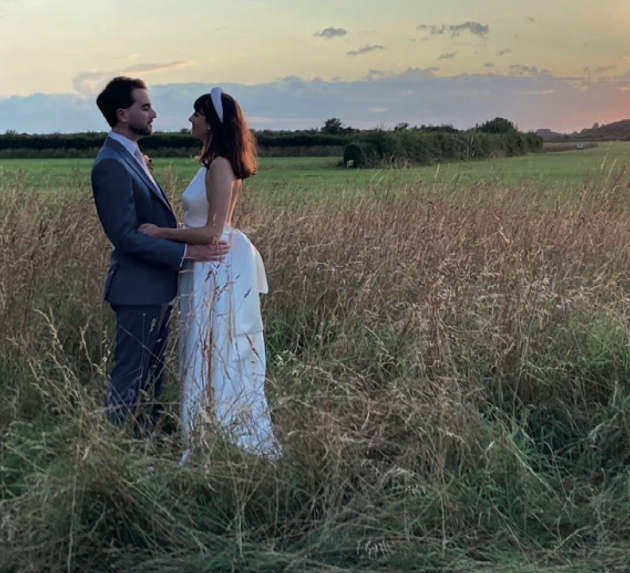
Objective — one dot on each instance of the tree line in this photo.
(403, 144)
(430, 144)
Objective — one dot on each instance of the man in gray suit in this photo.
(143, 275)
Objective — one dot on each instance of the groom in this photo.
(143, 275)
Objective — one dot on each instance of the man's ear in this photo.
(121, 115)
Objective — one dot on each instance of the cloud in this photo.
(537, 93)
(148, 68)
(598, 71)
(328, 33)
(489, 65)
(365, 50)
(89, 83)
(603, 69)
(530, 19)
(415, 96)
(504, 51)
(522, 70)
(448, 56)
(475, 28)
(378, 75)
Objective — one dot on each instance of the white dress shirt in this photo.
(132, 147)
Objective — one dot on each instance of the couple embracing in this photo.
(217, 270)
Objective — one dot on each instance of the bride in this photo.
(221, 347)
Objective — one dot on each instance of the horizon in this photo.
(316, 129)
(369, 63)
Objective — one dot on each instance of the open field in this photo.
(449, 366)
(284, 178)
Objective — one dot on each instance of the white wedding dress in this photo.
(221, 346)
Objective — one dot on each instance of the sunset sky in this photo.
(560, 64)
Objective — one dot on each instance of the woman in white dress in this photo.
(221, 347)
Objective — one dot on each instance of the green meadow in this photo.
(316, 175)
(448, 353)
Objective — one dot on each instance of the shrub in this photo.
(358, 154)
(498, 125)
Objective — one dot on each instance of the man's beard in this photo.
(141, 131)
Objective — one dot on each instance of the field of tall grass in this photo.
(449, 371)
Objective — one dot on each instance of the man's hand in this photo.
(207, 253)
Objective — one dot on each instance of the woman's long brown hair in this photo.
(231, 138)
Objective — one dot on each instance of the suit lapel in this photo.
(133, 163)
(154, 187)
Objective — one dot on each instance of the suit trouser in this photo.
(138, 372)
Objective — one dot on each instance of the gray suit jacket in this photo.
(144, 270)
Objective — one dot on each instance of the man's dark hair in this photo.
(116, 95)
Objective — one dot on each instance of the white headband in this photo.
(215, 96)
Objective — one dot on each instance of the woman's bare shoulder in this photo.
(220, 165)
(220, 175)
(220, 172)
